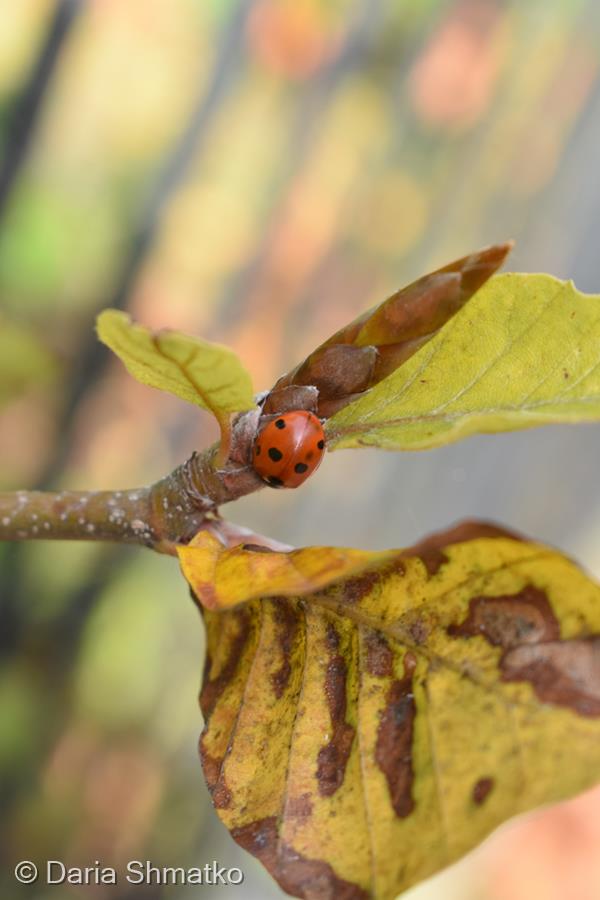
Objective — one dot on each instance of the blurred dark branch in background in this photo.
(92, 357)
(229, 60)
(20, 133)
(29, 106)
(51, 648)
(225, 73)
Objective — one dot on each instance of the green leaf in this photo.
(524, 352)
(208, 375)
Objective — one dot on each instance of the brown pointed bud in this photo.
(336, 370)
(425, 305)
(373, 346)
(290, 397)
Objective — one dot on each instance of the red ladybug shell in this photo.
(289, 449)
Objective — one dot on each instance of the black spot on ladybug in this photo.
(257, 450)
(300, 468)
(279, 423)
(275, 454)
(274, 481)
(321, 444)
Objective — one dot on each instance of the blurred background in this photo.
(256, 172)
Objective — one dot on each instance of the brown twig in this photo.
(76, 515)
(167, 513)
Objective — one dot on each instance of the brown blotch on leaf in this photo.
(561, 672)
(286, 623)
(207, 667)
(299, 807)
(432, 558)
(354, 589)
(430, 549)
(418, 631)
(257, 548)
(212, 768)
(210, 765)
(393, 750)
(221, 796)
(298, 875)
(481, 789)
(333, 756)
(379, 659)
(360, 586)
(510, 620)
(565, 673)
(212, 690)
(332, 637)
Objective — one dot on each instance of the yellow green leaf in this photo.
(206, 374)
(523, 352)
(363, 736)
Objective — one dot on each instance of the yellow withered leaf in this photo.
(523, 352)
(206, 374)
(362, 736)
(221, 579)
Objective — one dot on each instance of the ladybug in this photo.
(289, 449)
